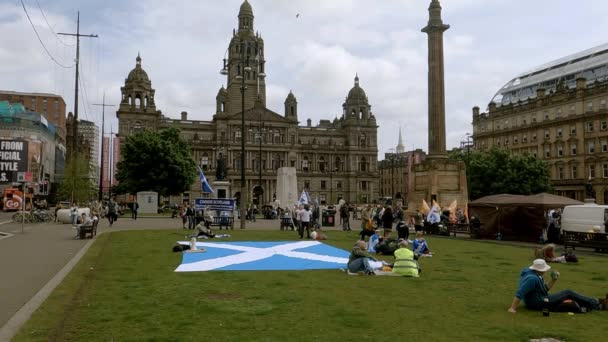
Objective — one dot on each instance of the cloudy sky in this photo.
(316, 54)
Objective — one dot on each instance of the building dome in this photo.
(246, 9)
(138, 74)
(290, 96)
(357, 94)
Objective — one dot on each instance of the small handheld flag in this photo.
(205, 186)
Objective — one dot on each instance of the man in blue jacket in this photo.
(533, 290)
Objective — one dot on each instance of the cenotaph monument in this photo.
(437, 178)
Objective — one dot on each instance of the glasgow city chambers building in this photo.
(556, 112)
(334, 159)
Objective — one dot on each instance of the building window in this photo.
(591, 171)
(323, 185)
(572, 109)
(305, 164)
(573, 149)
(363, 165)
(572, 130)
(560, 151)
(44, 107)
(559, 132)
(547, 152)
(306, 184)
(506, 141)
(524, 121)
(205, 162)
(33, 105)
(339, 185)
(590, 106)
(573, 172)
(546, 134)
(604, 125)
(558, 113)
(323, 199)
(524, 138)
(590, 126)
(276, 137)
(237, 162)
(362, 141)
(56, 106)
(515, 139)
(591, 147)
(498, 141)
(605, 170)
(546, 115)
(237, 135)
(363, 185)
(560, 172)
(533, 137)
(603, 103)
(604, 146)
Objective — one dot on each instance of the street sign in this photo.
(24, 177)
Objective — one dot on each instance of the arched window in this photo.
(305, 164)
(223, 107)
(146, 102)
(293, 111)
(322, 164)
(130, 100)
(137, 101)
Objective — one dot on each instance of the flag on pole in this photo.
(205, 186)
(304, 198)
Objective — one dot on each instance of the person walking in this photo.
(112, 215)
(344, 217)
(134, 210)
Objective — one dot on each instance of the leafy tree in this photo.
(155, 161)
(498, 171)
(77, 186)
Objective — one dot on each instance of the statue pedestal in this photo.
(222, 189)
(439, 179)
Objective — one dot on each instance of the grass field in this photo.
(125, 289)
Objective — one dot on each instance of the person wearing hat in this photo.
(533, 291)
(405, 264)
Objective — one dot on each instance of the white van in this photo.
(583, 218)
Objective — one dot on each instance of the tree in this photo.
(155, 161)
(499, 171)
(77, 186)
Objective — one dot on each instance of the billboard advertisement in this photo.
(13, 159)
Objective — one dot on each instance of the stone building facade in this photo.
(334, 159)
(557, 113)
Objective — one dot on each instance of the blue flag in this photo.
(205, 186)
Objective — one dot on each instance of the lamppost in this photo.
(259, 135)
(331, 184)
(244, 65)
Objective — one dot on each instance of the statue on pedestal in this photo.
(220, 170)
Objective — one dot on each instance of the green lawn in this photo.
(125, 289)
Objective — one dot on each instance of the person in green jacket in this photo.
(405, 264)
(358, 261)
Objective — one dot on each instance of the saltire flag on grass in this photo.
(205, 186)
(263, 256)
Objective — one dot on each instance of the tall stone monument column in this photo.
(436, 93)
(437, 178)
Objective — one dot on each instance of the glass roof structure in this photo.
(592, 64)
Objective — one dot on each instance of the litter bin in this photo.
(328, 218)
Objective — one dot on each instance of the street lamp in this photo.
(331, 184)
(244, 65)
(259, 135)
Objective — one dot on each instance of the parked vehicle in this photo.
(583, 218)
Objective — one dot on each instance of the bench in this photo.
(92, 230)
(598, 241)
(458, 228)
(219, 221)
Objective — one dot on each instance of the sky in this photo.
(312, 47)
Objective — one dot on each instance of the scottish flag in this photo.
(205, 186)
(304, 198)
(263, 256)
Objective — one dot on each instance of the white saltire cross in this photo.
(254, 254)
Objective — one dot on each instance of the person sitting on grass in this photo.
(405, 263)
(203, 229)
(421, 248)
(534, 291)
(358, 261)
(547, 253)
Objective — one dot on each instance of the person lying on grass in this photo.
(359, 258)
(533, 291)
